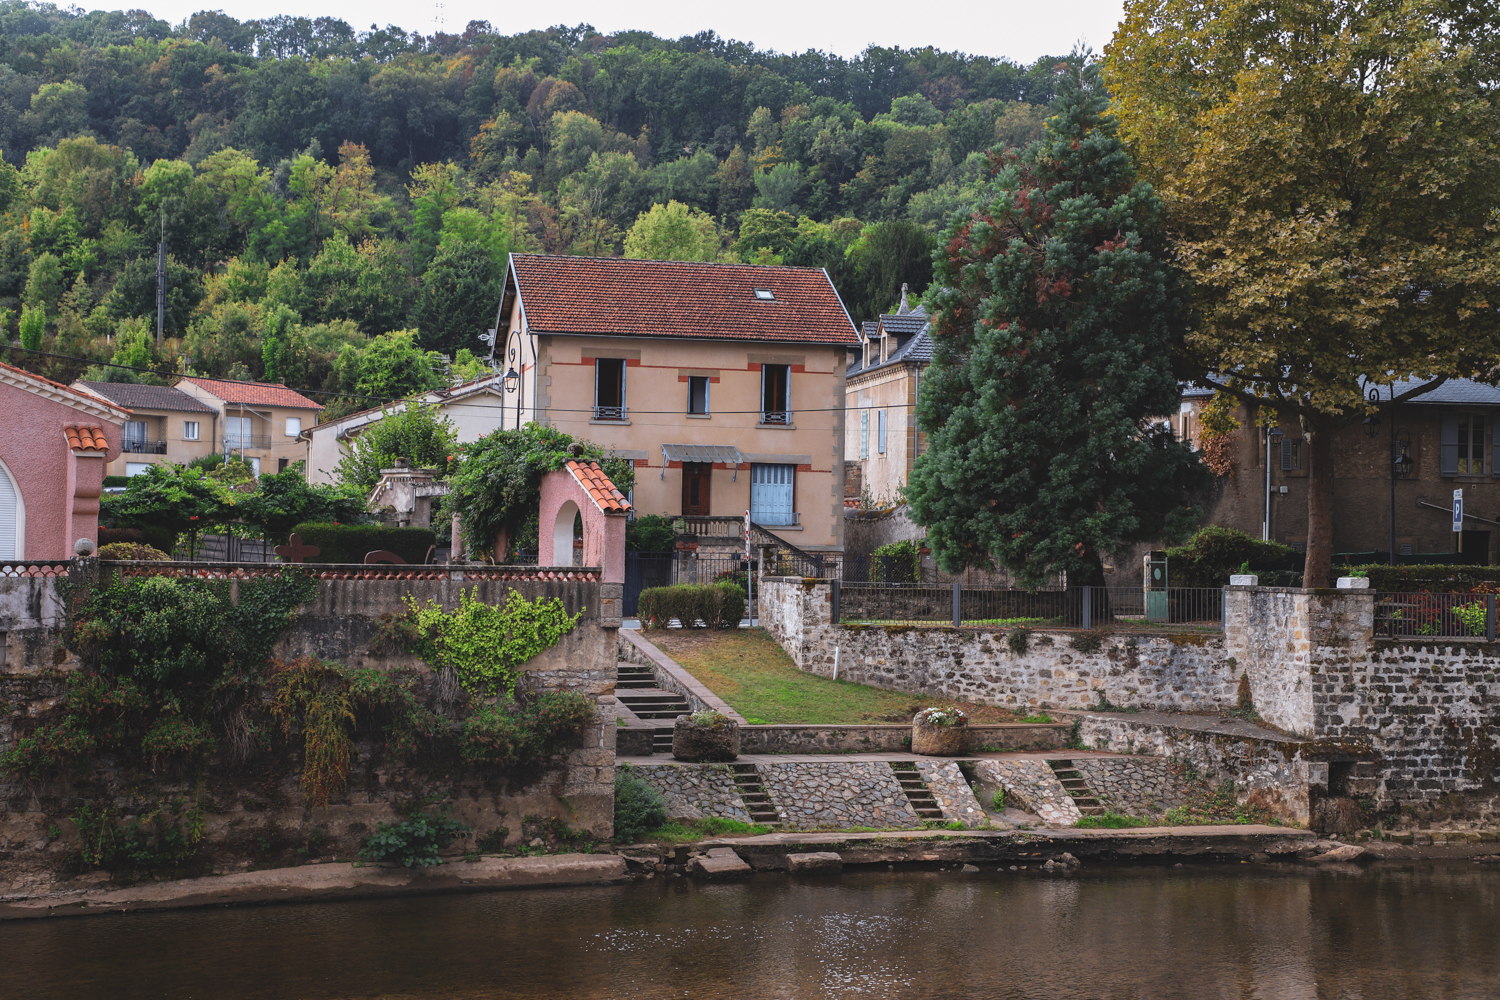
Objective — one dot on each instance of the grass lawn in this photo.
(747, 669)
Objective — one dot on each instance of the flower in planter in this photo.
(942, 717)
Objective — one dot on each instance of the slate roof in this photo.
(687, 299)
(1454, 392)
(147, 397)
(86, 437)
(254, 393)
(911, 331)
(598, 486)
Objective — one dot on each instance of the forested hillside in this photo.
(338, 203)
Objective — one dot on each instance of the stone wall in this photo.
(837, 795)
(695, 791)
(256, 808)
(952, 793)
(1029, 785)
(1134, 786)
(1061, 670)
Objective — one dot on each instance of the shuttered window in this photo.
(880, 432)
(864, 433)
(771, 492)
(10, 518)
(1462, 438)
(1291, 455)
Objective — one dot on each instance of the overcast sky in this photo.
(1021, 31)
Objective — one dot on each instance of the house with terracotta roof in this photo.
(724, 383)
(261, 422)
(165, 425)
(881, 387)
(56, 443)
(475, 408)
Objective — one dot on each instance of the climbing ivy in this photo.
(484, 645)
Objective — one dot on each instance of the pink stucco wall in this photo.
(603, 534)
(59, 492)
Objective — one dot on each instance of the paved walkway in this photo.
(1199, 723)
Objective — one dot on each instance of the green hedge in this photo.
(1215, 552)
(1459, 579)
(348, 543)
(111, 481)
(716, 605)
(157, 538)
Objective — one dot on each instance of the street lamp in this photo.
(1273, 441)
(511, 381)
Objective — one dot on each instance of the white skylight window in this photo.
(765, 295)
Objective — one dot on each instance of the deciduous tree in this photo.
(1332, 178)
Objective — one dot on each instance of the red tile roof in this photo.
(254, 393)
(86, 437)
(598, 486)
(93, 397)
(669, 298)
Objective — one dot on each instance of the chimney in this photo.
(904, 308)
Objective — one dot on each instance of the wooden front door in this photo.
(696, 479)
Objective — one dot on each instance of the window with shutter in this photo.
(771, 494)
(880, 435)
(864, 434)
(10, 517)
(1448, 442)
(1291, 455)
(1469, 448)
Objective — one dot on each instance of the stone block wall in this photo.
(1134, 786)
(1030, 785)
(695, 791)
(261, 802)
(951, 790)
(837, 795)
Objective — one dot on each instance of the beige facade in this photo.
(165, 425)
(714, 425)
(881, 432)
(259, 422)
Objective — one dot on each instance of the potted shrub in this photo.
(705, 736)
(940, 732)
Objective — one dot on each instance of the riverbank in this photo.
(93, 894)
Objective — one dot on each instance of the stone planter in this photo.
(939, 741)
(700, 744)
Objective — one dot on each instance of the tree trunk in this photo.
(1319, 457)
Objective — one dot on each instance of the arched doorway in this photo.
(562, 534)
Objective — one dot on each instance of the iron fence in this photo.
(906, 569)
(1178, 609)
(1440, 615)
(644, 570)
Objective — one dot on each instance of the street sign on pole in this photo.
(1458, 510)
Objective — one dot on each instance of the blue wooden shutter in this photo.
(771, 494)
(1448, 442)
(864, 434)
(880, 443)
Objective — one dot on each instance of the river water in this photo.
(1428, 930)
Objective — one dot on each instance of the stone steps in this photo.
(916, 790)
(661, 741)
(1077, 788)
(753, 793)
(633, 675)
(651, 703)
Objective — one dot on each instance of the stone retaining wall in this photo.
(951, 790)
(1134, 786)
(1030, 785)
(837, 795)
(696, 791)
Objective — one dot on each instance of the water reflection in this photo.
(1232, 933)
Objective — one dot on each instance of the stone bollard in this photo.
(705, 737)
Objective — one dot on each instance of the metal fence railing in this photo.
(644, 570)
(1440, 615)
(1178, 609)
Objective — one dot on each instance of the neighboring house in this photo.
(723, 382)
(475, 408)
(882, 441)
(165, 425)
(261, 422)
(56, 442)
(1423, 450)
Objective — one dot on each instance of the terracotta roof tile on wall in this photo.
(592, 478)
(668, 298)
(86, 437)
(254, 393)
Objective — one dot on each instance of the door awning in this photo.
(714, 454)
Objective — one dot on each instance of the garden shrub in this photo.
(1215, 552)
(349, 543)
(896, 562)
(48, 748)
(415, 841)
(510, 737)
(650, 533)
(160, 538)
(174, 736)
(639, 808)
(484, 645)
(132, 550)
(716, 605)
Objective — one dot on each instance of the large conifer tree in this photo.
(1054, 318)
